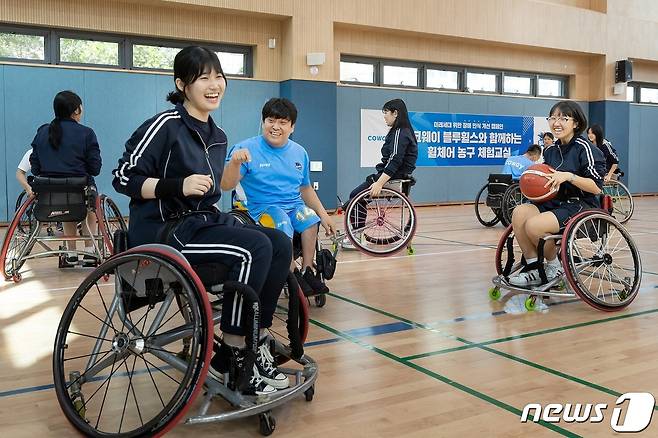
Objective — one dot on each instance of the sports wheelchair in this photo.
(133, 346)
(600, 263)
(622, 201)
(381, 225)
(497, 199)
(58, 200)
(325, 260)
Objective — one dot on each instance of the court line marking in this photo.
(483, 345)
(468, 390)
(372, 259)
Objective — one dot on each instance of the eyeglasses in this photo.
(563, 119)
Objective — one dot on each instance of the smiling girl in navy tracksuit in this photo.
(171, 169)
(578, 177)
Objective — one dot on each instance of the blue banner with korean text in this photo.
(470, 139)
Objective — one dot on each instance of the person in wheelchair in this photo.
(273, 172)
(67, 148)
(517, 164)
(21, 172)
(171, 170)
(399, 155)
(595, 135)
(579, 170)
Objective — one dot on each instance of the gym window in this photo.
(442, 79)
(22, 46)
(101, 50)
(481, 82)
(648, 95)
(357, 72)
(408, 74)
(513, 84)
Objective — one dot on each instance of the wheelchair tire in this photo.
(110, 221)
(484, 212)
(17, 240)
(622, 200)
(242, 216)
(370, 238)
(20, 199)
(599, 257)
(511, 199)
(294, 314)
(504, 265)
(122, 376)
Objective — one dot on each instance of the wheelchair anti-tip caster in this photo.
(320, 300)
(309, 393)
(267, 423)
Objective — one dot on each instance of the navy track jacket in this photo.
(580, 158)
(399, 153)
(77, 155)
(168, 146)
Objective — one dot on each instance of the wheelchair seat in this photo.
(402, 185)
(62, 199)
(499, 182)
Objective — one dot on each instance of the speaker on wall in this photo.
(623, 71)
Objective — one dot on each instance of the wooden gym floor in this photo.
(406, 345)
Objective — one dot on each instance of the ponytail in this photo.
(176, 97)
(64, 105)
(55, 133)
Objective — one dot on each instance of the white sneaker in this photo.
(525, 279)
(552, 271)
(347, 243)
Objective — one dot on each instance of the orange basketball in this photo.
(532, 183)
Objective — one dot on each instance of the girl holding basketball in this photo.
(578, 174)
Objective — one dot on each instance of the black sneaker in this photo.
(314, 282)
(266, 368)
(306, 288)
(68, 260)
(89, 261)
(231, 359)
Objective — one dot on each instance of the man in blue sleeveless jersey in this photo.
(273, 172)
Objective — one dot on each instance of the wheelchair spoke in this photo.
(148, 369)
(130, 387)
(86, 355)
(159, 369)
(102, 322)
(89, 336)
(107, 312)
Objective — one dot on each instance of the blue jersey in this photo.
(274, 175)
(516, 165)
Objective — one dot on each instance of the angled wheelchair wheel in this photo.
(601, 260)
(20, 199)
(485, 214)
(117, 366)
(242, 216)
(109, 220)
(290, 322)
(18, 241)
(508, 253)
(380, 225)
(622, 201)
(511, 199)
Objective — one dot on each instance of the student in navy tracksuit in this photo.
(399, 154)
(171, 169)
(595, 135)
(579, 170)
(67, 148)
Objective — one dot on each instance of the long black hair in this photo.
(402, 120)
(190, 63)
(64, 104)
(597, 130)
